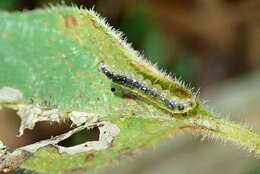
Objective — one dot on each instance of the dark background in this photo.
(211, 44)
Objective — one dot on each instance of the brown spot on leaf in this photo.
(70, 21)
(182, 92)
(90, 157)
(129, 97)
(94, 22)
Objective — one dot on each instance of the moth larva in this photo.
(173, 103)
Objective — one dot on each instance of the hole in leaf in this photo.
(10, 122)
(81, 137)
(9, 126)
(45, 130)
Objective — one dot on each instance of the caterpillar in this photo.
(173, 104)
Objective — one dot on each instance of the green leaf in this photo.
(50, 65)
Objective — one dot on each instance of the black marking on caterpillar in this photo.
(176, 105)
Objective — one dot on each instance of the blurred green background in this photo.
(212, 45)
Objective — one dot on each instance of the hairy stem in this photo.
(226, 130)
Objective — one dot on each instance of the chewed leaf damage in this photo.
(30, 115)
